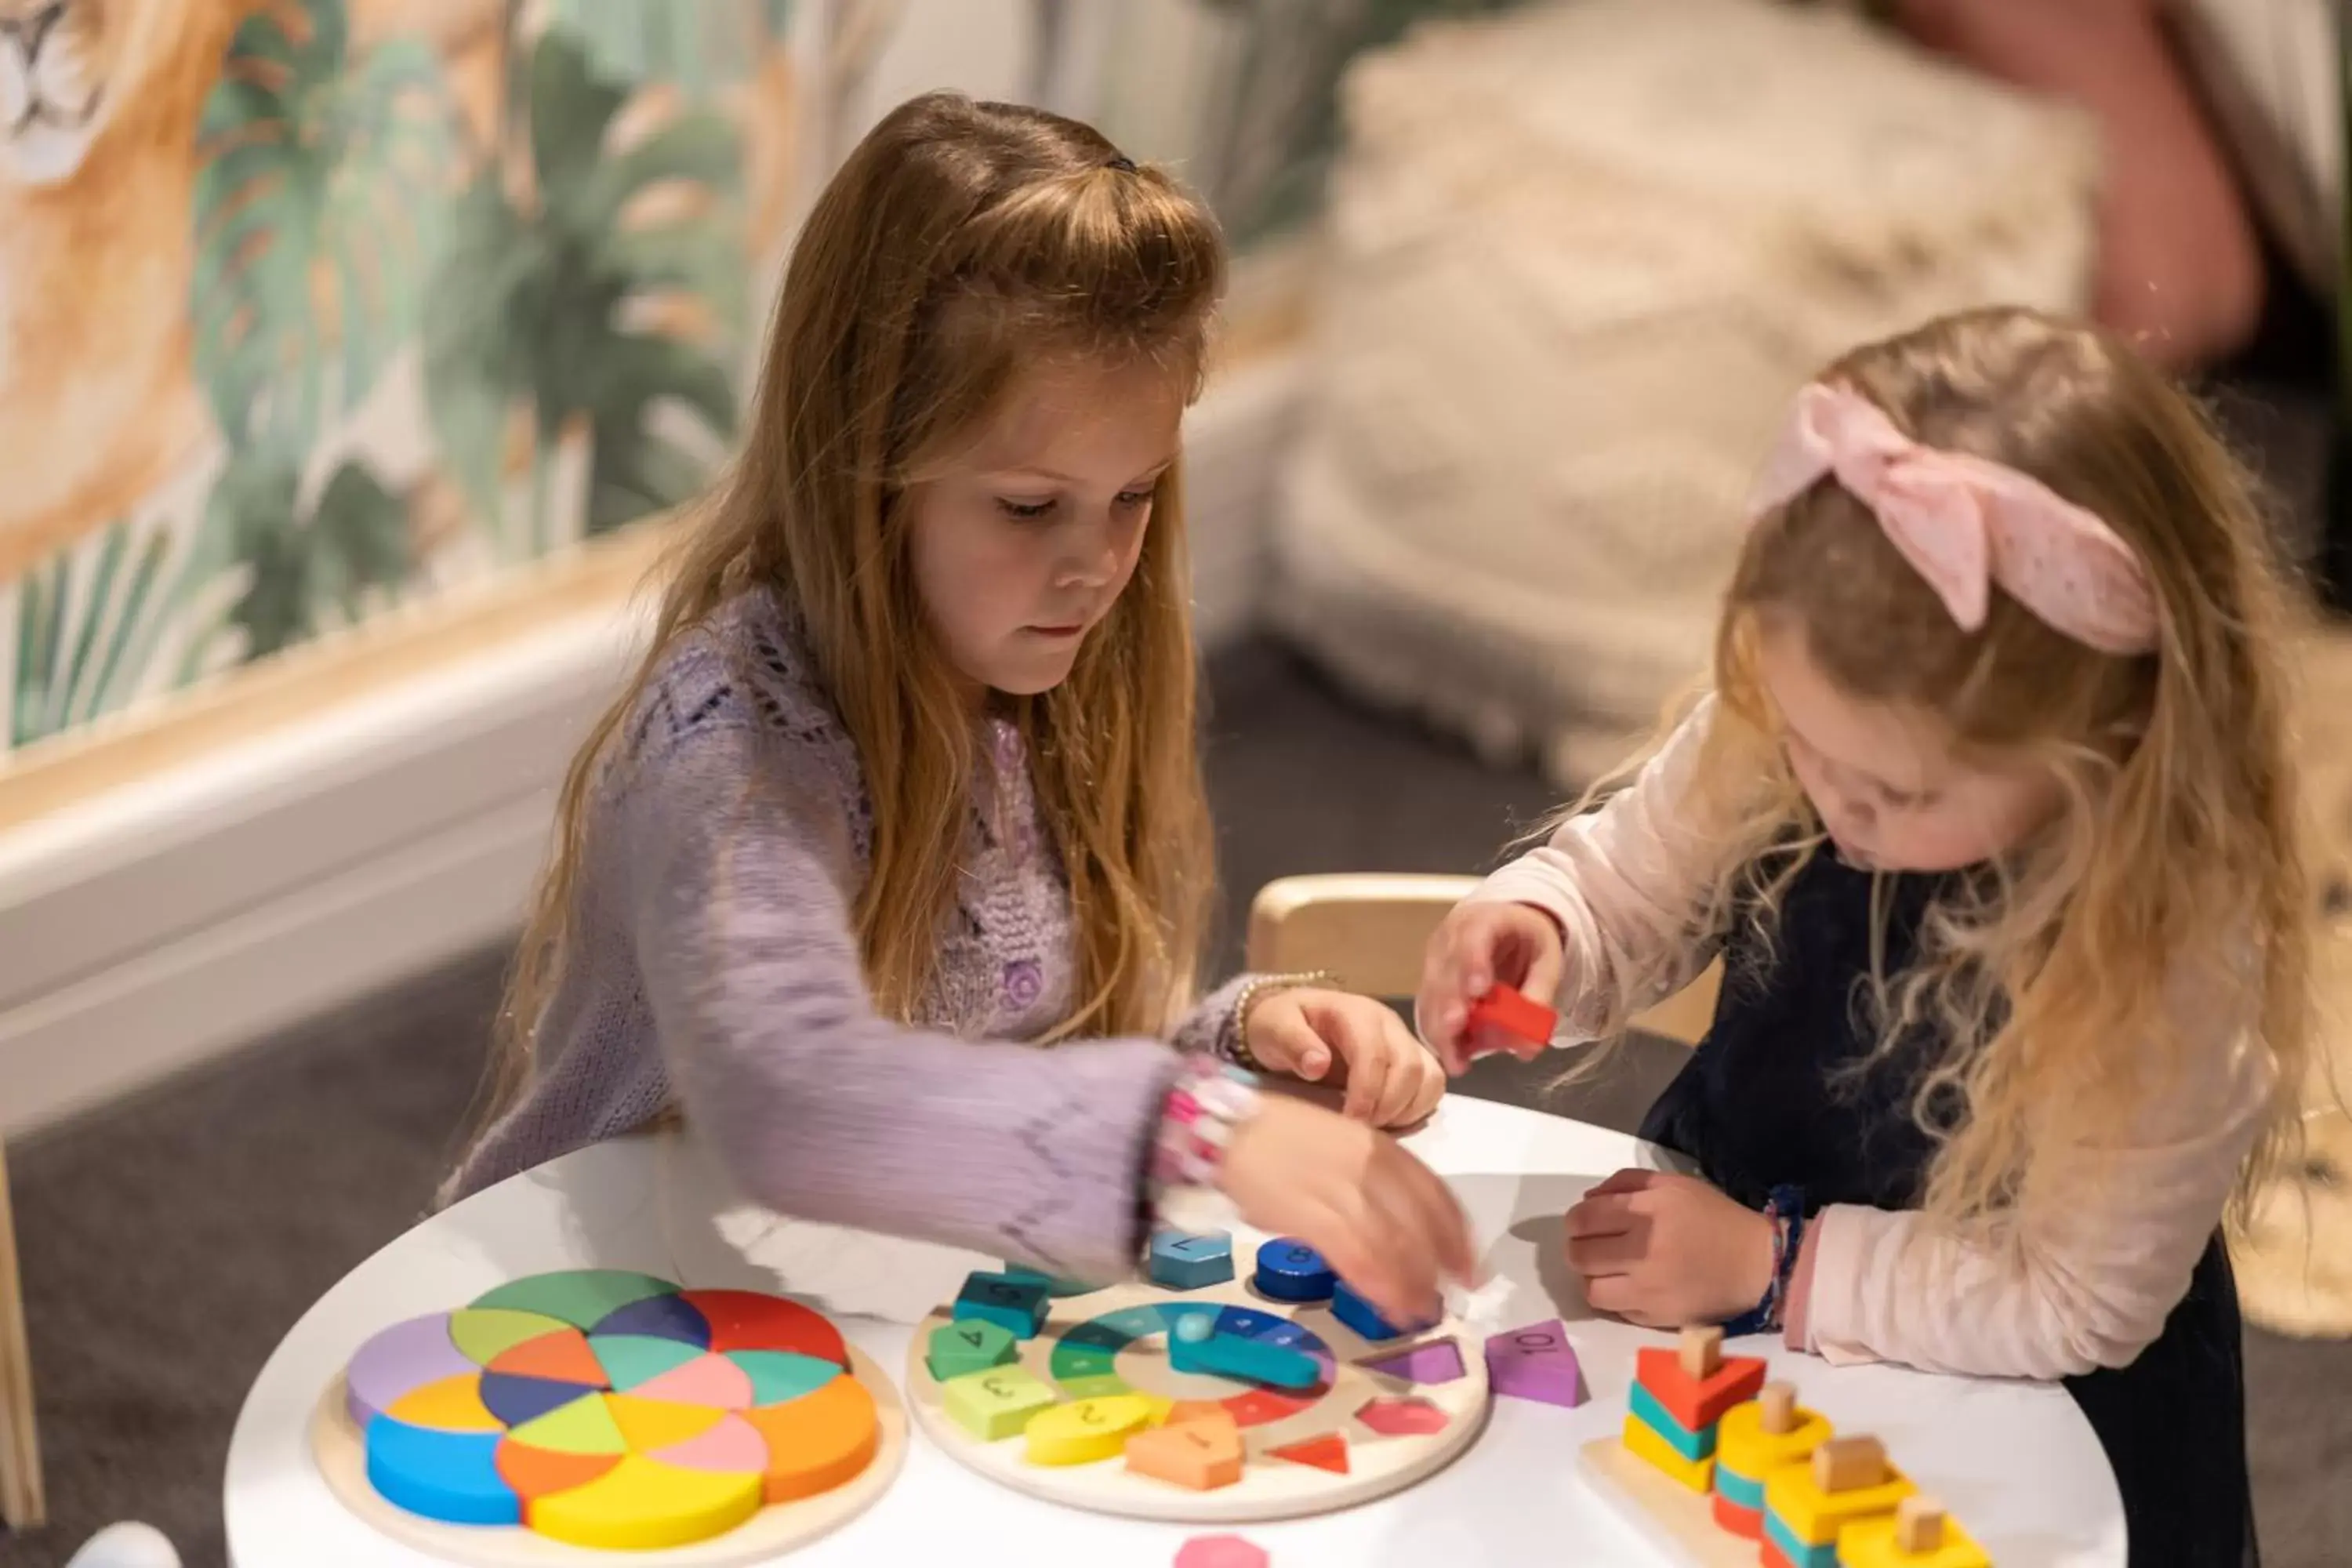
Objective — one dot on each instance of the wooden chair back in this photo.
(1369, 928)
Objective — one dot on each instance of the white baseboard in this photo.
(175, 920)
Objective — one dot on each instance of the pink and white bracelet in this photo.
(1209, 1102)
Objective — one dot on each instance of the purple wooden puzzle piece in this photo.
(1536, 1362)
(1439, 1361)
(399, 1360)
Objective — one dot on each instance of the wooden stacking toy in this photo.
(1916, 1535)
(1806, 1506)
(1678, 1398)
(1753, 1441)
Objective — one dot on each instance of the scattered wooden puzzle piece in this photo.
(1409, 1416)
(1201, 1454)
(1918, 1534)
(1431, 1363)
(976, 1344)
(1088, 1430)
(1504, 1020)
(1290, 1270)
(1017, 1304)
(998, 1403)
(1221, 1552)
(1536, 1362)
(1328, 1452)
(1190, 1260)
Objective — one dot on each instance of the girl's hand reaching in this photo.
(1666, 1250)
(1381, 1219)
(1478, 947)
(1333, 1037)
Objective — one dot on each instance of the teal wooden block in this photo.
(1018, 1305)
(1184, 1260)
(1692, 1446)
(1196, 1347)
(1797, 1553)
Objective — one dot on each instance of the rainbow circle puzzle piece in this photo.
(610, 1410)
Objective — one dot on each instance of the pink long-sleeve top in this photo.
(2066, 1284)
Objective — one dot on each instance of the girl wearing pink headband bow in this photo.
(1990, 814)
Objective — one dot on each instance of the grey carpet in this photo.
(170, 1242)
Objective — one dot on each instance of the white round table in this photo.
(2015, 1462)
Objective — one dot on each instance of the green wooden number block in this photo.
(974, 1344)
(997, 1402)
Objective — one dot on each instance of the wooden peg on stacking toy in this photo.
(1702, 1352)
(1777, 1415)
(1919, 1524)
(1850, 1464)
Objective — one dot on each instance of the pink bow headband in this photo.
(1965, 523)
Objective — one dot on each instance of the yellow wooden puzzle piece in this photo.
(1745, 1449)
(1089, 1430)
(451, 1404)
(1646, 1445)
(643, 1505)
(1900, 1541)
(1814, 1517)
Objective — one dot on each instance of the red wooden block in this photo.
(1328, 1452)
(1773, 1556)
(1747, 1523)
(1697, 1403)
(1504, 1020)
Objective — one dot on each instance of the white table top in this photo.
(2015, 1462)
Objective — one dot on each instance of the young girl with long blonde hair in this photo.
(910, 768)
(1990, 814)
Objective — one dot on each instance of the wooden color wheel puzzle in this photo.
(570, 1415)
(1213, 1399)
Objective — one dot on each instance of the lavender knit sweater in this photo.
(714, 967)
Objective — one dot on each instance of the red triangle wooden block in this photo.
(1329, 1452)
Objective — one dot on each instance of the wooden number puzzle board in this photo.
(650, 1367)
(1393, 1411)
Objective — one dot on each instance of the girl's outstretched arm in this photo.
(735, 856)
(1626, 884)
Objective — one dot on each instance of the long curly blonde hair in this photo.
(2051, 986)
(960, 244)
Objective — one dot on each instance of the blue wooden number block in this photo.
(1019, 1305)
(1182, 1260)
(1290, 1270)
(1358, 1314)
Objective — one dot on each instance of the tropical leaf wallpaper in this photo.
(311, 308)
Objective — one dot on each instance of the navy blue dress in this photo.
(1756, 1109)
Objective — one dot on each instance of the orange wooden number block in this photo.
(1203, 1453)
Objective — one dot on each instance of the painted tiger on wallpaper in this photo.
(99, 106)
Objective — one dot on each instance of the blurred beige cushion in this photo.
(1578, 266)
